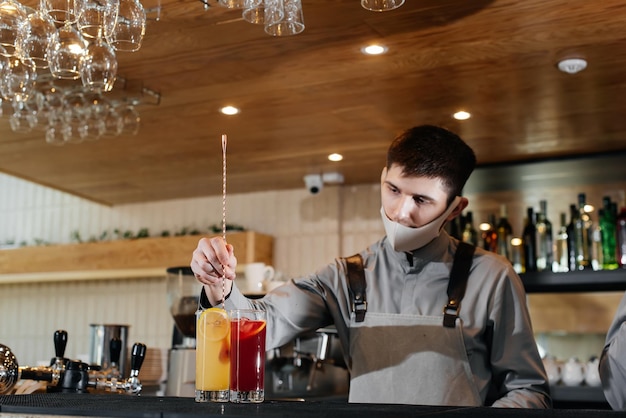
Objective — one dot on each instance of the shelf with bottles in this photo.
(575, 281)
(578, 244)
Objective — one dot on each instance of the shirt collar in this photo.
(431, 251)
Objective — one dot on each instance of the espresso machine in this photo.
(183, 292)
(310, 366)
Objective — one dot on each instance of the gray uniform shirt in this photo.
(613, 360)
(498, 337)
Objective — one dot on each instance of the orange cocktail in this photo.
(212, 355)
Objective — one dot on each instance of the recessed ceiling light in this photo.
(229, 110)
(374, 49)
(462, 115)
(572, 65)
(335, 157)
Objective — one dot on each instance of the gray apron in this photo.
(393, 361)
(410, 359)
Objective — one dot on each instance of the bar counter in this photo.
(96, 405)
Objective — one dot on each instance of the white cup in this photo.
(256, 274)
(592, 373)
(573, 373)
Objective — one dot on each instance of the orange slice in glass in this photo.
(247, 328)
(213, 324)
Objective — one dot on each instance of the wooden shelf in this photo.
(143, 257)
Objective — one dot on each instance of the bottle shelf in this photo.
(592, 397)
(575, 281)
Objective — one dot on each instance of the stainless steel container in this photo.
(100, 353)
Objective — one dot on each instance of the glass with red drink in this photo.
(247, 355)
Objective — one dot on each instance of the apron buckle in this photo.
(450, 313)
(359, 308)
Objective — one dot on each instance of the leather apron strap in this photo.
(356, 286)
(458, 282)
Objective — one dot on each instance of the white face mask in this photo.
(404, 238)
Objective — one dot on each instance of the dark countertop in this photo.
(96, 405)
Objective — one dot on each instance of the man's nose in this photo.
(405, 207)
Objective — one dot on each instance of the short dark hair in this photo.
(434, 152)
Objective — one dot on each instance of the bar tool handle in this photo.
(60, 342)
(115, 349)
(137, 356)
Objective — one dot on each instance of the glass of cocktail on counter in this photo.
(247, 356)
(212, 355)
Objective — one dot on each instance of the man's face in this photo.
(411, 201)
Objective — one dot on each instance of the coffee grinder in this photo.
(183, 292)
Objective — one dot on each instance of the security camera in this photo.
(314, 183)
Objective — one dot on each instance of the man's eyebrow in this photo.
(424, 197)
(421, 196)
(390, 184)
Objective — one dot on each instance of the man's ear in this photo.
(463, 202)
(383, 175)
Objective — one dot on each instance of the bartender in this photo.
(387, 302)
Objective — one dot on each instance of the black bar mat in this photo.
(113, 406)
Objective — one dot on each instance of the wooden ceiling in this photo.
(306, 96)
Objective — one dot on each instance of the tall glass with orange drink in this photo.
(247, 361)
(212, 355)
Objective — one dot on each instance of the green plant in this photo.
(75, 236)
(215, 228)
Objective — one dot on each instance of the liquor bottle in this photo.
(561, 263)
(597, 259)
(517, 255)
(489, 235)
(470, 235)
(505, 234)
(582, 235)
(529, 241)
(571, 239)
(621, 237)
(544, 243)
(608, 232)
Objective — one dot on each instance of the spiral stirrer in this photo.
(224, 141)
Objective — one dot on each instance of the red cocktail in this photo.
(247, 363)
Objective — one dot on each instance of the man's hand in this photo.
(213, 259)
